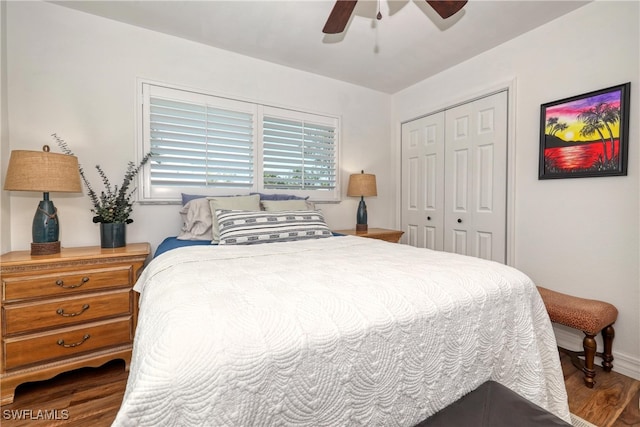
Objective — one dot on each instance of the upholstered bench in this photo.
(493, 405)
(589, 316)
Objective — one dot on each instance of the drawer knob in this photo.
(60, 283)
(61, 312)
(84, 338)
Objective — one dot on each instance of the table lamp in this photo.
(45, 172)
(362, 185)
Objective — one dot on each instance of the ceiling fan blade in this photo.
(339, 17)
(446, 8)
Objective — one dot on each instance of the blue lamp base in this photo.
(45, 229)
(361, 216)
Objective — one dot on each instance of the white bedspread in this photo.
(341, 331)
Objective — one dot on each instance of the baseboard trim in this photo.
(622, 363)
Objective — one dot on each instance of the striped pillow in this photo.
(249, 227)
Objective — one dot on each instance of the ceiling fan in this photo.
(342, 10)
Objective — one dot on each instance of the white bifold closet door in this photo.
(454, 179)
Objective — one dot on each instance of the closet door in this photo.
(423, 181)
(475, 178)
(454, 179)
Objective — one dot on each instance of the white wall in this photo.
(5, 224)
(579, 236)
(75, 74)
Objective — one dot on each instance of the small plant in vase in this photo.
(114, 205)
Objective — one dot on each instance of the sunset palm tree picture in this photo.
(585, 135)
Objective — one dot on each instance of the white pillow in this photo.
(196, 220)
(246, 228)
(244, 203)
(285, 205)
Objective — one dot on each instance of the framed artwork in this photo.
(586, 135)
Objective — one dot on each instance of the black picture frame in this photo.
(585, 135)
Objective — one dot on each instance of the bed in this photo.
(336, 331)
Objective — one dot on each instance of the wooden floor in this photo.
(613, 402)
(91, 397)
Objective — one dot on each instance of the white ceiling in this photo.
(409, 44)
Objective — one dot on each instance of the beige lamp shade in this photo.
(362, 184)
(42, 171)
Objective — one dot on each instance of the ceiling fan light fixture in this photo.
(446, 8)
(342, 10)
(339, 17)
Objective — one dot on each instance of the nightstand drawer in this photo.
(64, 283)
(39, 315)
(67, 342)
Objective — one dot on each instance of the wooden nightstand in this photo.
(376, 233)
(65, 311)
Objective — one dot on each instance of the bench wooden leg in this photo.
(590, 347)
(608, 334)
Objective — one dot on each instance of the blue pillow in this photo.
(186, 198)
(280, 197)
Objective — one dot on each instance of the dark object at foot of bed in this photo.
(493, 405)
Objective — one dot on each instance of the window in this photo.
(298, 151)
(219, 146)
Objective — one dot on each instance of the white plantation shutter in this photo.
(204, 144)
(298, 153)
(199, 145)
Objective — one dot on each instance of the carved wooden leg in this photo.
(608, 334)
(590, 346)
(7, 395)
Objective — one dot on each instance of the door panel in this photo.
(411, 235)
(484, 247)
(484, 187)
(430, 179)
(459, 241)
(460, 176)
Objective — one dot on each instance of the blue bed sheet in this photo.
(173, 242)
